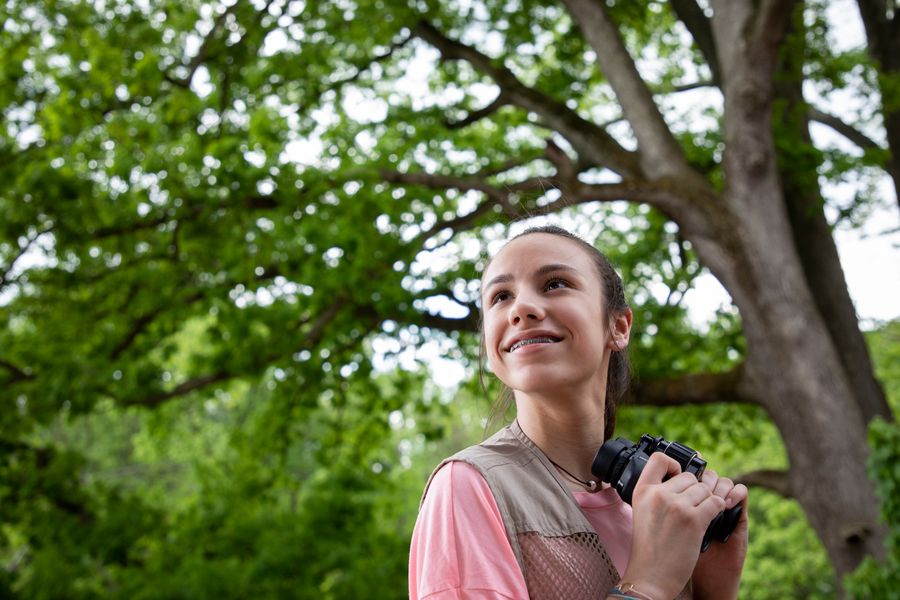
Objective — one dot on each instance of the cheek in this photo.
(492, 339)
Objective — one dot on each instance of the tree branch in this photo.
(770, 479)
(5, 276)
(495, 197)
(479, 114)
(311, 338)
(18, 374)
(748, 41)
(696, 22)
(702, 388)
(663, 195)
(771, 21)
(203, 51)
(660, 153)
(183, 388)
(883, 35)
(470, 322)
(189, 213)
(363, 67)
(846, 130)
(880, 30)
(458, 223)
(747, 35)
(684, 87)
(133, 227)
(506, 166)
(142, 322)
(317, 330)
(445, 182)
(589, 140)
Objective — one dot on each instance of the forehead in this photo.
(534, 250)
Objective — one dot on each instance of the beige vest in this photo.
(557, 549)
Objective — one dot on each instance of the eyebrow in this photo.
(551, 268)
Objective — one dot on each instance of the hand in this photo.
(670, 518)
(718, 570)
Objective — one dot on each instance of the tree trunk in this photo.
(793, 369)
(792, 361)
(812, 235)
(800, 381)
(882, 25)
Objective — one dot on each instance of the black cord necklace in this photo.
(591, 485)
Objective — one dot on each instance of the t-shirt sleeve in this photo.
(459, 547)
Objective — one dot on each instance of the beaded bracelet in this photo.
(627, 591)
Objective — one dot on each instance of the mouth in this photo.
(543, 339)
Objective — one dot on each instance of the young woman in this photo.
(520, 515)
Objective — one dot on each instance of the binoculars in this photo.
(620, 463)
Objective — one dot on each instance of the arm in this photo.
(459, 546)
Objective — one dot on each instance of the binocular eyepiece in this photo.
(620, 463)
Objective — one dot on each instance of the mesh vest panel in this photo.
(566, 568)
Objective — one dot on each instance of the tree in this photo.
(269, 170)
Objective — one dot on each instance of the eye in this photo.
(500, 297)
(556, 283)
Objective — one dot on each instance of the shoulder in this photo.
(459, 543)
(459, 485)
(503, 448)
(479, 470)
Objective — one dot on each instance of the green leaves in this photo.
(230, 235)
(880, 578)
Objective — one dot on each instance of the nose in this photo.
(525, 306)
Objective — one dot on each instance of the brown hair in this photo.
(619, 374)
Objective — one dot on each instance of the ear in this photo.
(620, 332)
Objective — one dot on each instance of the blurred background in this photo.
(239, 256)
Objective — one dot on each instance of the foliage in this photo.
(218, 310)
(212, 508)
(874, 578)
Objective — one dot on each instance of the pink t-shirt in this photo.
(459, 546)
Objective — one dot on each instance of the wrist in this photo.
(627, 590)
(721, 590)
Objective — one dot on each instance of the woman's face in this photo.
(544, 324)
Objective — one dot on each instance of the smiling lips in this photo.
(542, 339)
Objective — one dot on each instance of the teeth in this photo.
(537, 340)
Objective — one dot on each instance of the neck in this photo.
(567, 431)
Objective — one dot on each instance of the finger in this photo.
(697, 494)
(724, 487)
(682, 482)
(721, 486)
(738, 495)
(710, 479)
(713, 505)
(658, 467)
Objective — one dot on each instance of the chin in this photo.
(553, 381)
(544, 383)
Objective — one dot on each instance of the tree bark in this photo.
(883, 36)
(791, 355)
(813, 241)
